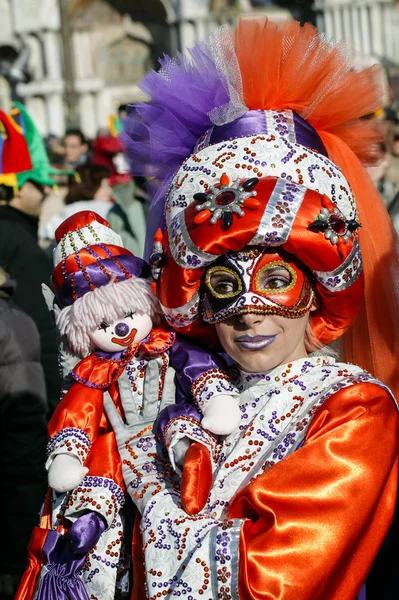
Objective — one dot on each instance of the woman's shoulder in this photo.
(357, 395)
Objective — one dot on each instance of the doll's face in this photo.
(122, 333)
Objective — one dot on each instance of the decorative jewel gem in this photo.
(222, 201)
(334, 225)
(157, 255)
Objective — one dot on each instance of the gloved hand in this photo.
(85, 533)
(222, 415)
(65, 473)
(145, 466)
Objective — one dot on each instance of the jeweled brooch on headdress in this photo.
(224, 201)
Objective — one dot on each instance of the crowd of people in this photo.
(173, 398)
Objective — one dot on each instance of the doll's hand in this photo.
(222, 415)
(65, 473)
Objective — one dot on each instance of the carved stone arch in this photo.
(146, 11)
(124, 60)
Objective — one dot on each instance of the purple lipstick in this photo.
(255, 342)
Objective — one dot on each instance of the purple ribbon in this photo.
(254, 123)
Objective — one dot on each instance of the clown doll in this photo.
(110, 316)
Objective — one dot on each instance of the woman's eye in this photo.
(130, 314)
(276, 283)
(104, 326)
(224, 287)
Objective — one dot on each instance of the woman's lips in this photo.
(255, 342)
(126, 341)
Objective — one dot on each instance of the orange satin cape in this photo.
(315, 521)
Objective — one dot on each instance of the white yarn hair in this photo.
(107, 303)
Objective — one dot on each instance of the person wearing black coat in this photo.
(23, 437)
(29, 266)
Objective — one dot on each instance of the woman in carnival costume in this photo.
(258, 144)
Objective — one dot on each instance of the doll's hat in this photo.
(89, 255)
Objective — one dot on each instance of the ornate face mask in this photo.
(255, 281)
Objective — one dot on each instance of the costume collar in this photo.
(283, 374)
(100, 369)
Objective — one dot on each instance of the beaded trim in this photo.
(224, 545)
(97, 493)
(280, 212)
(182, 315)
(184, 251)
(90, 234)
(210, 384)
(183, 426)
(71, 439)
(280, 124)
(346, 274)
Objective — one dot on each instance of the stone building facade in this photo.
(110, 45)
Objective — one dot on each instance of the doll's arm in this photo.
(205, 376)
(72, 429)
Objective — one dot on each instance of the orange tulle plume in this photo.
(373, 340)
(292, 67)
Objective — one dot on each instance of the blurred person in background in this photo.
(88, 189)
(23, 187)
(55, 150)
(23, 410)
(386, 180)
(128, 215)
(29, 266)
(76, 148)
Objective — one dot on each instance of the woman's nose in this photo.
(121, 329)
(251, 319)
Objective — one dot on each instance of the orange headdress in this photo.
(285, 104)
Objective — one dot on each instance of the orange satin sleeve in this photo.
(81, 407)
(104, 461)
(316, 520)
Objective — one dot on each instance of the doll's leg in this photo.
(179, 428)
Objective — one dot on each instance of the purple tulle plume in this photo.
(160, 135)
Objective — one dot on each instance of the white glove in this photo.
(145, 465)
(65, 473)
(222, 415)
(180, 449)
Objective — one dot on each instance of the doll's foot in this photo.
(196, 480)
(65, 473)
(222, 415)
(85, 533)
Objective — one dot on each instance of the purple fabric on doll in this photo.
(65, 557)
(189, 362)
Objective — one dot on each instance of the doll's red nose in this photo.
(122, 329)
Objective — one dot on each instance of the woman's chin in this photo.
(257, 361)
